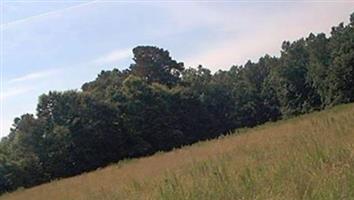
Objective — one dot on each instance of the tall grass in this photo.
(309, 157)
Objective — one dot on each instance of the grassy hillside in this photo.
(309, 157)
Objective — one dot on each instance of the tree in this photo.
(319, 62)
(89, 130)
(105, 86)
(155, 65)
(341, 71)
(24, 149)
(253, 101)
(295, 93)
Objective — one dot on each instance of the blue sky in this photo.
(59, 45)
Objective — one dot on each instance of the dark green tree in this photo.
(156, 65)
(341, 71)
(319, 61)
(295, 93)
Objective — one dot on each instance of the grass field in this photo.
(308, 157)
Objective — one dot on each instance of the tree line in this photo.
(157, 104)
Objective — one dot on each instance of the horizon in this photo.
(43, 42)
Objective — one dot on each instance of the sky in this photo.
(59, 45)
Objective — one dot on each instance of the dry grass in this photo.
(309, 157)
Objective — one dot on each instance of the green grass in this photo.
(308, 157)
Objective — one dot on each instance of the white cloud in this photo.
(35, 75)
(5, 126)
(113, 56)
(260, 35)
(235, 51)
(51, 13)
(15, 91)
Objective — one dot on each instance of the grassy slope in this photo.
(309, 157)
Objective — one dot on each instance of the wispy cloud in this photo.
(35, 76)
(113, 56)
(12, 92)
(5, 125)
(51, 13)
(266, 34)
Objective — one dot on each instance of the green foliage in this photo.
(156, 105)
(319, 62)
(341, 71)
(155, 65)
(294, 91)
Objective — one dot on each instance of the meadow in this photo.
(307, 157)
